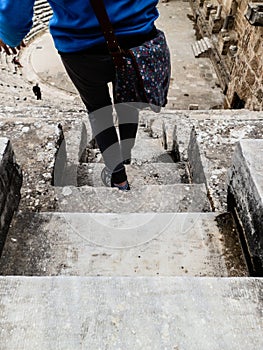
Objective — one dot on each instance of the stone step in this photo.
(76, 313)
(148, 198)
(202, 45)
(146, 174)
(81, 148)
(196, 49)
(208, 42)
(148, 244)
(149, 149)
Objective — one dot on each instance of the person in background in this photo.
(16, 62)
(80, 42)
(37, 91)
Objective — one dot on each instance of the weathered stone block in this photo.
(208, 8)
(255, 63)
(225, 46)
(201, 3)
(211, 147)
(229, 22)
(257, 45)
(215, 24)
(259, 94)
(10, 184)
(254, 14)
(245, 196)
(193, 106)
(250, 77)
(71, 151)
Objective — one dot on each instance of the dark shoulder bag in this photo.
(142, 72)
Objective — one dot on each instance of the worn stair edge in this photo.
(9, 112)
(72, 313)
(10, 185)
(208, 42)
(76, 142)
(148, 198)
(202, 45)
(192, 115)
(177, 125)
(197, 244)
(210, 151)
(245, 197)
(71, 150)
(138, 175)
(195, 51)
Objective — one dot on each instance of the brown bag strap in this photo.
(108, 31)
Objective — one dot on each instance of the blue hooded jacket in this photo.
(74, 26)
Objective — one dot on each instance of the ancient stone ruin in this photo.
(177, 262)
(233, 30)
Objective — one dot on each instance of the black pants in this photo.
(91, 73)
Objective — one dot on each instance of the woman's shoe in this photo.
(125, 187)
(106, 176)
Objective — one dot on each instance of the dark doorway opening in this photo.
(237, 102)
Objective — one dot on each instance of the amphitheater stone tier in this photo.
(42, 14)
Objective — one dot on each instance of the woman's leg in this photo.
(90, 74)
(128, 118)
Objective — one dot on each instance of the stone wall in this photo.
(238, 50)
(10, 184)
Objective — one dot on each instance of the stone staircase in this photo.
(153, 268)
(16, 87)
(202, 47)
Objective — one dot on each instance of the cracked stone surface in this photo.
(133, 313)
